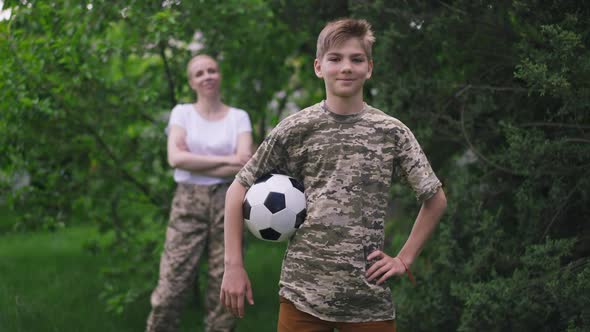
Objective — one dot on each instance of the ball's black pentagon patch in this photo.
(296, 184)
(246, 208)
(270, 234)
(300, 218)
(263, 178)
(275, 202)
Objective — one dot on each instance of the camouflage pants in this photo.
(196, 221)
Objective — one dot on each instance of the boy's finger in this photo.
(374, 254)
(383, 269)
(385, 277)
(373, 275)
(249, 294)
(241, 305)
(234, 305)
(374, 267)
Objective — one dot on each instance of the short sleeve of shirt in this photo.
(244, 124)
(413, 167)
(178, 117)
(270, 156)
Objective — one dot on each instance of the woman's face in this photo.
(204, 77)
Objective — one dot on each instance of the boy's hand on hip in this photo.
(385, 267)
(234, 287)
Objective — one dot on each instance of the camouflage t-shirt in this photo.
(347, 164)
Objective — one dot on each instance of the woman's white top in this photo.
(209, 138)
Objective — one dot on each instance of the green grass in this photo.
(48, 282)
(7, 219)
(263, 263)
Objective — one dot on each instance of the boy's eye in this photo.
(358, 60)
(333, 59)
(199, 73)
(211, 71)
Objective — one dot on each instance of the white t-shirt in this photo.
(210, 138)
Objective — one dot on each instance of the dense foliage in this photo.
(496, 92)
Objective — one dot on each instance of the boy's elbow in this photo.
(442, 199)
(438, 201)
(237, 188)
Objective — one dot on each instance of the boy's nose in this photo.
(345, 66)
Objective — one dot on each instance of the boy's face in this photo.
(204, 77)
(344, 68)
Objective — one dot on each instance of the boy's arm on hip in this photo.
(428, 217)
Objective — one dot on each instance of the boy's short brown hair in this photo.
(336, 32)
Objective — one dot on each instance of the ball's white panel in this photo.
(284, 221)
(279, 183)
(260, 217)
(252, 228)
(294, 200)
(257, 194)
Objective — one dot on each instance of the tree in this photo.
(497, 93)
(86, 91)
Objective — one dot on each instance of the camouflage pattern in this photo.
(196, 223)
(347, 165)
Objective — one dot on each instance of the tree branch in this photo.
(477, 153)
(172, 96)
(454, 9)
(576, 140)
(561, 207)
(116, 160)
(465, 88)
(555, 124)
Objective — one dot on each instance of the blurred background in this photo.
(497, 92)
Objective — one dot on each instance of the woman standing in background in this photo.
(208, 143)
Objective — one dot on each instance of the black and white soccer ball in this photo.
(274, 207)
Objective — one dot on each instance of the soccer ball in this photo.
(274, 207)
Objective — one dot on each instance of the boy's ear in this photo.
(317, 67)
(370, 72)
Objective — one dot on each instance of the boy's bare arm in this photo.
(428, 217)
(235, 285)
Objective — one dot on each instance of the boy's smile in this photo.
(344, 68)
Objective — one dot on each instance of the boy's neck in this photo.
(345, 105)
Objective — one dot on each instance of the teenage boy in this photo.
(347, 154)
